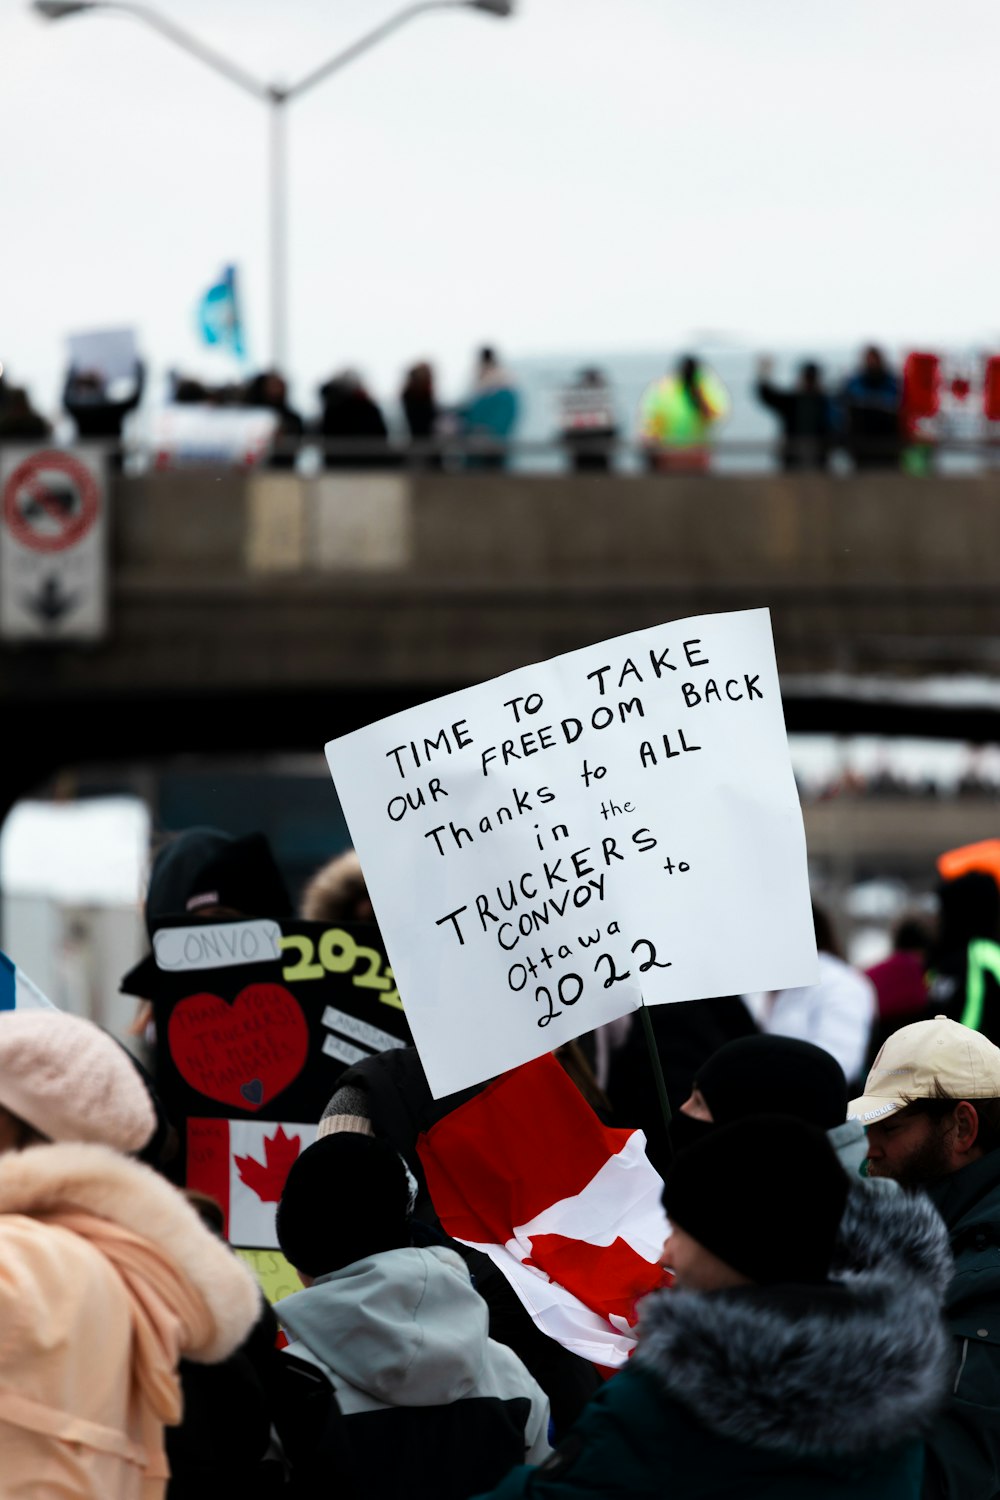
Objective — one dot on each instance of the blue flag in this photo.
(219, 315)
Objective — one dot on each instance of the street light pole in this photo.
(278, 187)
(277, 99)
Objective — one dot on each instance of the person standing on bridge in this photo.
(806, 414)
(678, 415)
(353, 425)
(19, 421)
(422, 413)
(269, 391)
(98, 416)
(872, 399)
(490, 413)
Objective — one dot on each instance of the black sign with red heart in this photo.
(269, 1039)
(242, 1054)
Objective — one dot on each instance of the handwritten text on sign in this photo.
(544, 848)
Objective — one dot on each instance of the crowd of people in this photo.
(866, 417)
(885, 782)
(824, 1326)
(352, 428)
(679, 417)
(869, 418)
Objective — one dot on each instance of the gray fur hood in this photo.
(853, 1366)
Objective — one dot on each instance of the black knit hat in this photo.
(201, 869)
(346, 1197)
(765, 1195)
(758, 1074)
(206, 867)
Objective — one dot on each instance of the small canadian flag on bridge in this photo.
(568, 1209)
(243, 1165)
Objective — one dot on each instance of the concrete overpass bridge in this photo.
(268, 611)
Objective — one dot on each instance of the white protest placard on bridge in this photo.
(545, 850)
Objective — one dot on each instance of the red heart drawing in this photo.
(241, 1054)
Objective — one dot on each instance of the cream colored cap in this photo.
(923, 1060)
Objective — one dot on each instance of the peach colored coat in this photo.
(107, 1278)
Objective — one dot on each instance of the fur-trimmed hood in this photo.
(851, 1367)
(49, 1182)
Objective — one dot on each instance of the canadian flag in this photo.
(243, 1165)
(568, 1209)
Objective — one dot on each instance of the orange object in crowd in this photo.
(984, 857)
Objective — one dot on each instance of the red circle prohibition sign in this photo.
(27, 483)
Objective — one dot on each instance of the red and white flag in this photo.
(568, 1209)
(243, 1165)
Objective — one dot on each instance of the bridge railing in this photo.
(312, 454)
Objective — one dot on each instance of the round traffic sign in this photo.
(50, 501)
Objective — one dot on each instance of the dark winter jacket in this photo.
(776, 1393)
(351, 416)
(958, 975)
(963, 1448)
(807, 421)
(223, 1444)
(872, 405)
(430, 1406)
(421, 412)
(965, 965)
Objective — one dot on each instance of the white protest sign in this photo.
(108, 352)
(202, 434)
(543, 849)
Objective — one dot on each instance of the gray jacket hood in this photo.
(405, 1326)
(856, 1365)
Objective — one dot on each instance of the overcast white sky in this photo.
(591, 176)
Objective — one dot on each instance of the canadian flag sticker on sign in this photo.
(53, 568)
(243, 1165)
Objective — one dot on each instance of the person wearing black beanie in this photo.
(772, 1074)
(801, 1351)
(728, 1182)
(347, 1197)
(205, 870)
(431, 1407)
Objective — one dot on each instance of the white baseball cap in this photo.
(926, 1060)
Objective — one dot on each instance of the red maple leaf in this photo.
(268, 1181)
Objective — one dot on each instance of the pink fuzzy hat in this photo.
(71, 1081)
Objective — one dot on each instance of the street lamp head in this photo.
(494, 7)
(56, 10)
